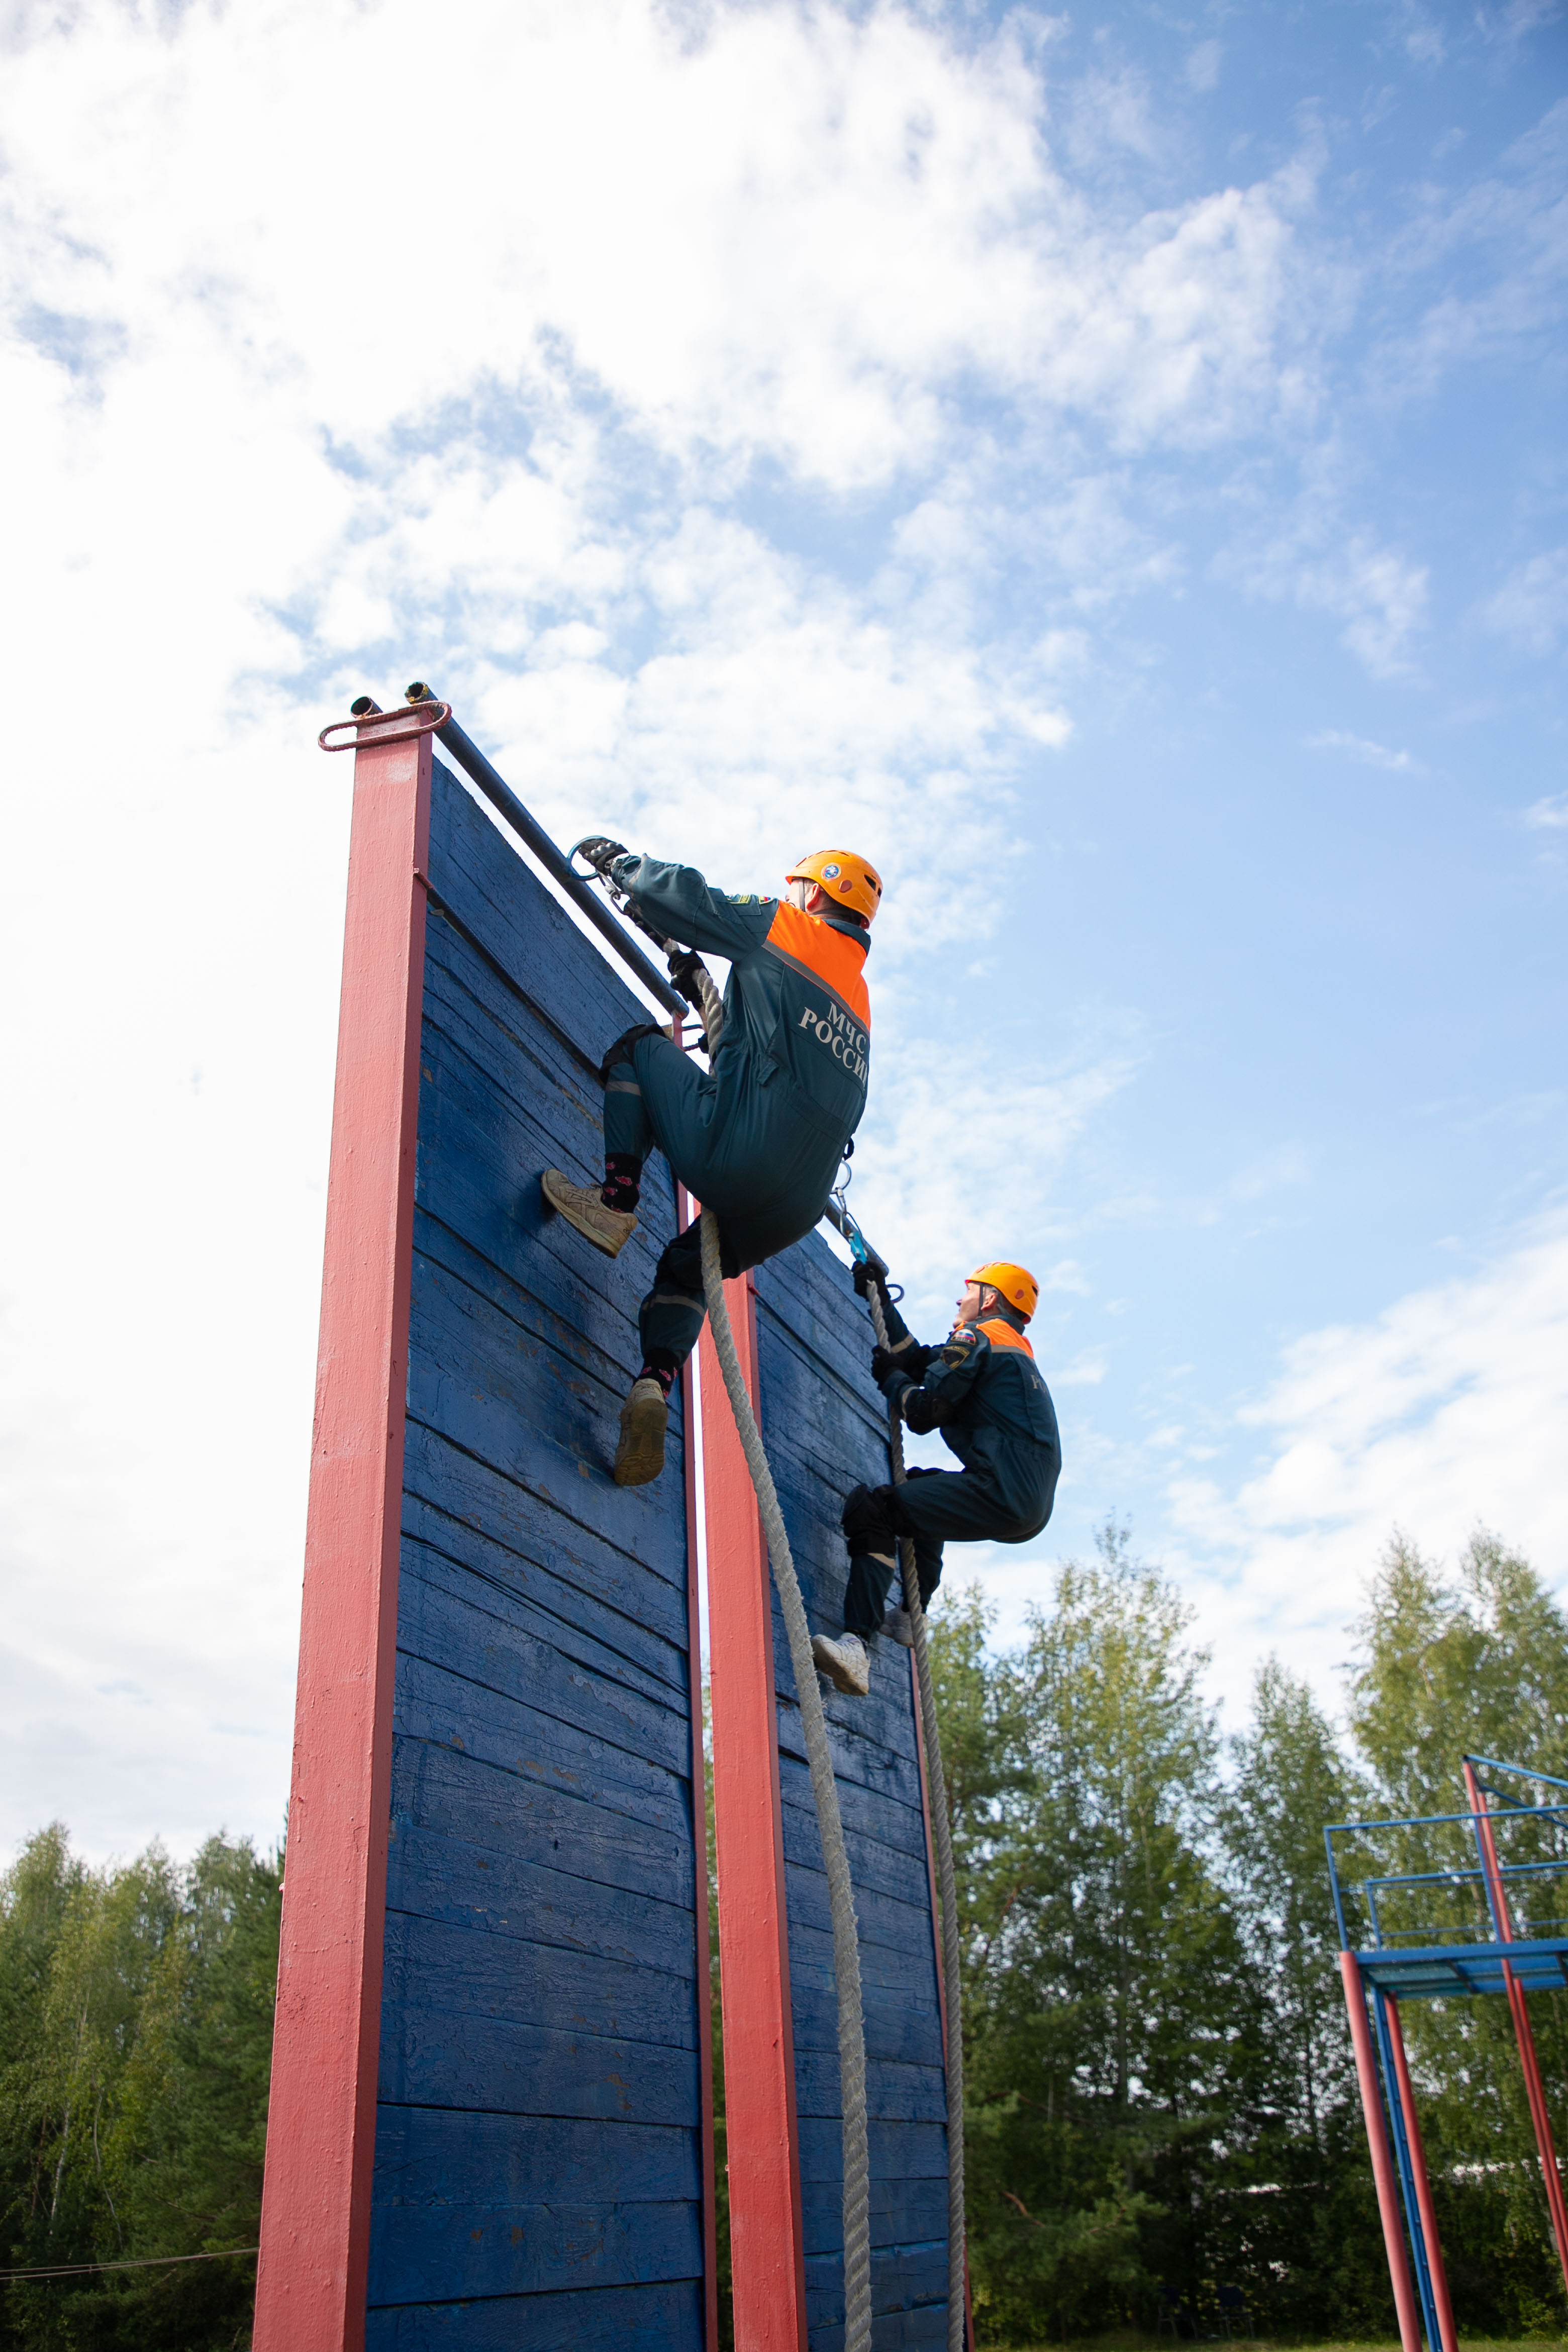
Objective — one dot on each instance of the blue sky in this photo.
(1106, 465)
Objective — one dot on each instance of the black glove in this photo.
(863, 1274)
(600, 853)
(913, 1361)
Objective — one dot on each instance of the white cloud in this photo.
(1380, 597)
(1445, 1410)
(1360, 747)
(1531, 605)
(1550, 814)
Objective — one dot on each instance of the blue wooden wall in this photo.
(538, 2160)
(825, 1430)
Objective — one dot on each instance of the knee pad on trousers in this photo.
(874, 1520)
(621, 1050)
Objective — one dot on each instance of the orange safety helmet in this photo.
(843, 875)
(1016, 1283)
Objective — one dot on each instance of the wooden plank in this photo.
(475, 1378)
(447, 1630)
(899, 2151)
(897, 2029)
(448, 2252)
(896, 2205)
(518, 1533)
(436, 1878)
(425, 2155)
(442, 1789)
(527, 931)
(580, 1633)
(576, 1605)
(438, 2058)
(660, 2318)
(444, 1969)
(482, 1156)
(451, 1710)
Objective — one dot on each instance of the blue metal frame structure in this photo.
(1434, 1961)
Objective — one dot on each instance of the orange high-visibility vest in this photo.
(1002, 1335)
(834, 962)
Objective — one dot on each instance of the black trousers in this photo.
(931, 1508)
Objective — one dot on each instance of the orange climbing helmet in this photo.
(1016, 1283)
(844, 877)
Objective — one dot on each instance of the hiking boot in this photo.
(645, 1416)
(897, 1628)
(608, 1229)
(844, 1662)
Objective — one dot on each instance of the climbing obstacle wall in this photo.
(520, 2161)
(491, 2111)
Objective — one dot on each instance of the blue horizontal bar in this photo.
(1434, 1821)
(1525, 1771)
(1437, 1970)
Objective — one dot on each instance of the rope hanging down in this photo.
(941, 1829)
(814, 1723)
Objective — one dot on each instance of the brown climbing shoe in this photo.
(844, 1662)
(608, 1229)
(645, 1416)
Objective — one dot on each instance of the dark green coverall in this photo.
(759, 1136)
(982, 1389)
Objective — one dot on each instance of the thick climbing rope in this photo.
(947, 1881)
(814, 1723)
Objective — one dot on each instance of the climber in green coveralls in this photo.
(758, 1137)
(982, 1389)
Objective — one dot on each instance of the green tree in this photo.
(1113, 2019)
(136, 2009)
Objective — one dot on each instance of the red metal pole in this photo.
(767, 2245)
(321, 2137)
(700, 1824)
(1435, 2269)
(1524, 2033)
(1381, 2157)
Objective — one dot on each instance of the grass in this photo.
(1130, 2340)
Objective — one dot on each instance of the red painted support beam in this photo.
(1424, 2206)
(1381, 2157)
(321, 2140)
(936, 1937)
(1523, 2031)
(683, 1209)
(766, 2238)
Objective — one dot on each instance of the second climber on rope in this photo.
(758, 1137)
(984, 1390)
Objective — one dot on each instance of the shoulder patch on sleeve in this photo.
(957, 1345)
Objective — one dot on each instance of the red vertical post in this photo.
(700, 1824)
(1381, 2157)
(936, 1935)
(1523, 2031)
(767, 2238)
(321, 2140)
(1424, 2206)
